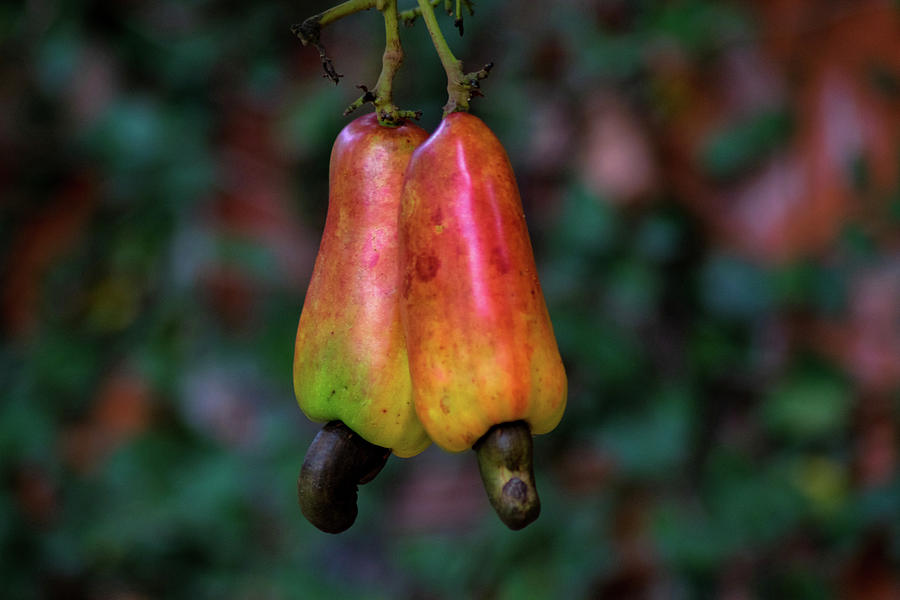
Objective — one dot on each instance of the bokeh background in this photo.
(712, 190)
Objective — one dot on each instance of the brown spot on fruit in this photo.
(500, 261)
(427, 266)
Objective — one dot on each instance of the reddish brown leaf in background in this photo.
(232, 294)
(439, 495)
(638, 574)
(223, 403)
(36, 494)
(550, 140)
(797, 203)
(121, 410)
(38, 244)
(873, 353)
(849, 34)
(96, 85)
(82, 447)
(255, 202)
(584, 470)
(617, 162)
(869, 575)
(866, 343)
(875, 443)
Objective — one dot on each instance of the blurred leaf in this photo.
(534, 580)
(130, 136)
(668, 421)
(659, 238)
(611, 57)
(698, 26)
(750, 504)
(632, 292)
(798, 581)
(27, 432)
(64, 366)
(10, 20)
(807, 406)
(824, 482)
(56, 59)
(745, 143)
(860, 174)
(894, 207)
(858, 241)
(190, 58)
(434, 559)
(686, 539)
(830, 290)
(793, 284)
(311, 121)
(587, 224)
(715, 350)
(885, 80)
(735, 288)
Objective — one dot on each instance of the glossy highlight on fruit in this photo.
(481, 345)
(350, 358)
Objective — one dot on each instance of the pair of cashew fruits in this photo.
(424, 319)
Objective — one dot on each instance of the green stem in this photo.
(408, 17)
(309, 31)
(458, 97)
(344, 9)
(461, 87)
(388, 114)
(382, 96)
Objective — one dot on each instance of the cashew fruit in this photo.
(350, 359)
(481, 345)
(482, 351)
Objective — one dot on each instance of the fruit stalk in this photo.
(460, 86)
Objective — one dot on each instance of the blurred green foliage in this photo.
(149, 439)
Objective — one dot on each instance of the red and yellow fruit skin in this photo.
(481, 345)
(350, 359)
